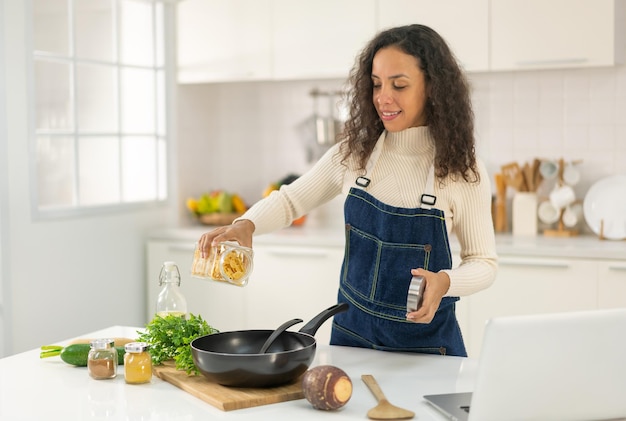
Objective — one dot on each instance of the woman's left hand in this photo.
(437, 285)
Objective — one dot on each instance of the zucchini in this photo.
(76, 354)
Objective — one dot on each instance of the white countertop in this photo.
(583, 246)
(48, 389)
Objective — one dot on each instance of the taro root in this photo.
(326, 387)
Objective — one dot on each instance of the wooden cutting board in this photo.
(227, 398)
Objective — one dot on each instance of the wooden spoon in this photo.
(513, 175)
(384, 410)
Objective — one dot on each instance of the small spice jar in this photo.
(227, 262)
(102, 359)
(137, 363)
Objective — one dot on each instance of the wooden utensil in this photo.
(513, 175)
(537, 177)
(500, 204)
(384, 410)
(529, 178)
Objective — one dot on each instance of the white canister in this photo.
(524, 214)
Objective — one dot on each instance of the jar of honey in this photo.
(227, 262)
(137, 363)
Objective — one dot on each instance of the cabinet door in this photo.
(464, 24)
(532, 286)
(292, 282)
(320, 38)
(224, 40)
(221, 305)
(611, 284)
(531, 34)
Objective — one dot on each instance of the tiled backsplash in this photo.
(242, 136)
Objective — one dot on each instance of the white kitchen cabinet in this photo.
(220, 304)
(320, 38)
(531, 285)
(292, 282)
(611, 284)
(220, 41)
(464, 24)
(534, 34)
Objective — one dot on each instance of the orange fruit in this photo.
(192, 204)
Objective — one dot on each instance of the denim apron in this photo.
(383, 244)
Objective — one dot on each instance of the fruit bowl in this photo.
(218, 207)
(218, 218)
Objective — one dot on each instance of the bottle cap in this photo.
(136, 346)
(102, 343)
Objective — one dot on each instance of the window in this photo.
(100, 107)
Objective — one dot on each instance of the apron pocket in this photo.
(366, 280)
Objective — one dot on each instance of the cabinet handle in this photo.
(618, 268)
(556, 264)
(575, 60)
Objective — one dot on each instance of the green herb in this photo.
(170, 338)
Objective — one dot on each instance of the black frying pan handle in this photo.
(311, 327)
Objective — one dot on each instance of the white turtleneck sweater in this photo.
(398, 179)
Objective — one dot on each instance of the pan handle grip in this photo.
(311, 327)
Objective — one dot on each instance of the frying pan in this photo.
(233, 358)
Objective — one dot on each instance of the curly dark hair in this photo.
(449, 114)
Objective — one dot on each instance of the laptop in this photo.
(562, 366)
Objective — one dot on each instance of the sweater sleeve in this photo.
(471, 208)
(315, 187)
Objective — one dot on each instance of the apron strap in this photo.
(364, 180)
(428, 198)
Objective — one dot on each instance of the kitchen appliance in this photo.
(320, 131)
(233, 358)
(546, 367)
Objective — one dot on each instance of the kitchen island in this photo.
(48, 389)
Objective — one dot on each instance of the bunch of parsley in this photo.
(170, 338)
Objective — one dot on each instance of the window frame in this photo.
(164, 74)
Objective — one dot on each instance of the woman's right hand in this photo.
(241, 231)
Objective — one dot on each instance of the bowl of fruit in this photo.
(217, 207)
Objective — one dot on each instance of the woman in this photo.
(406, 164)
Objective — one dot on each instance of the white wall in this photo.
(242, 136)
(62, 278)
(4, 345)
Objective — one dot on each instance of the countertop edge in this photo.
(583, 246)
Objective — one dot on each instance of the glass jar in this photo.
(102, 359)
(137, 363)
(171, 300)
(227, 262)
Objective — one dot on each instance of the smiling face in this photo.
(399, 89)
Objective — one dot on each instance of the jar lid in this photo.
(102, 343)
(235, 262)
(136, 347)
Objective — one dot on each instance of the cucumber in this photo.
(77, 354)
